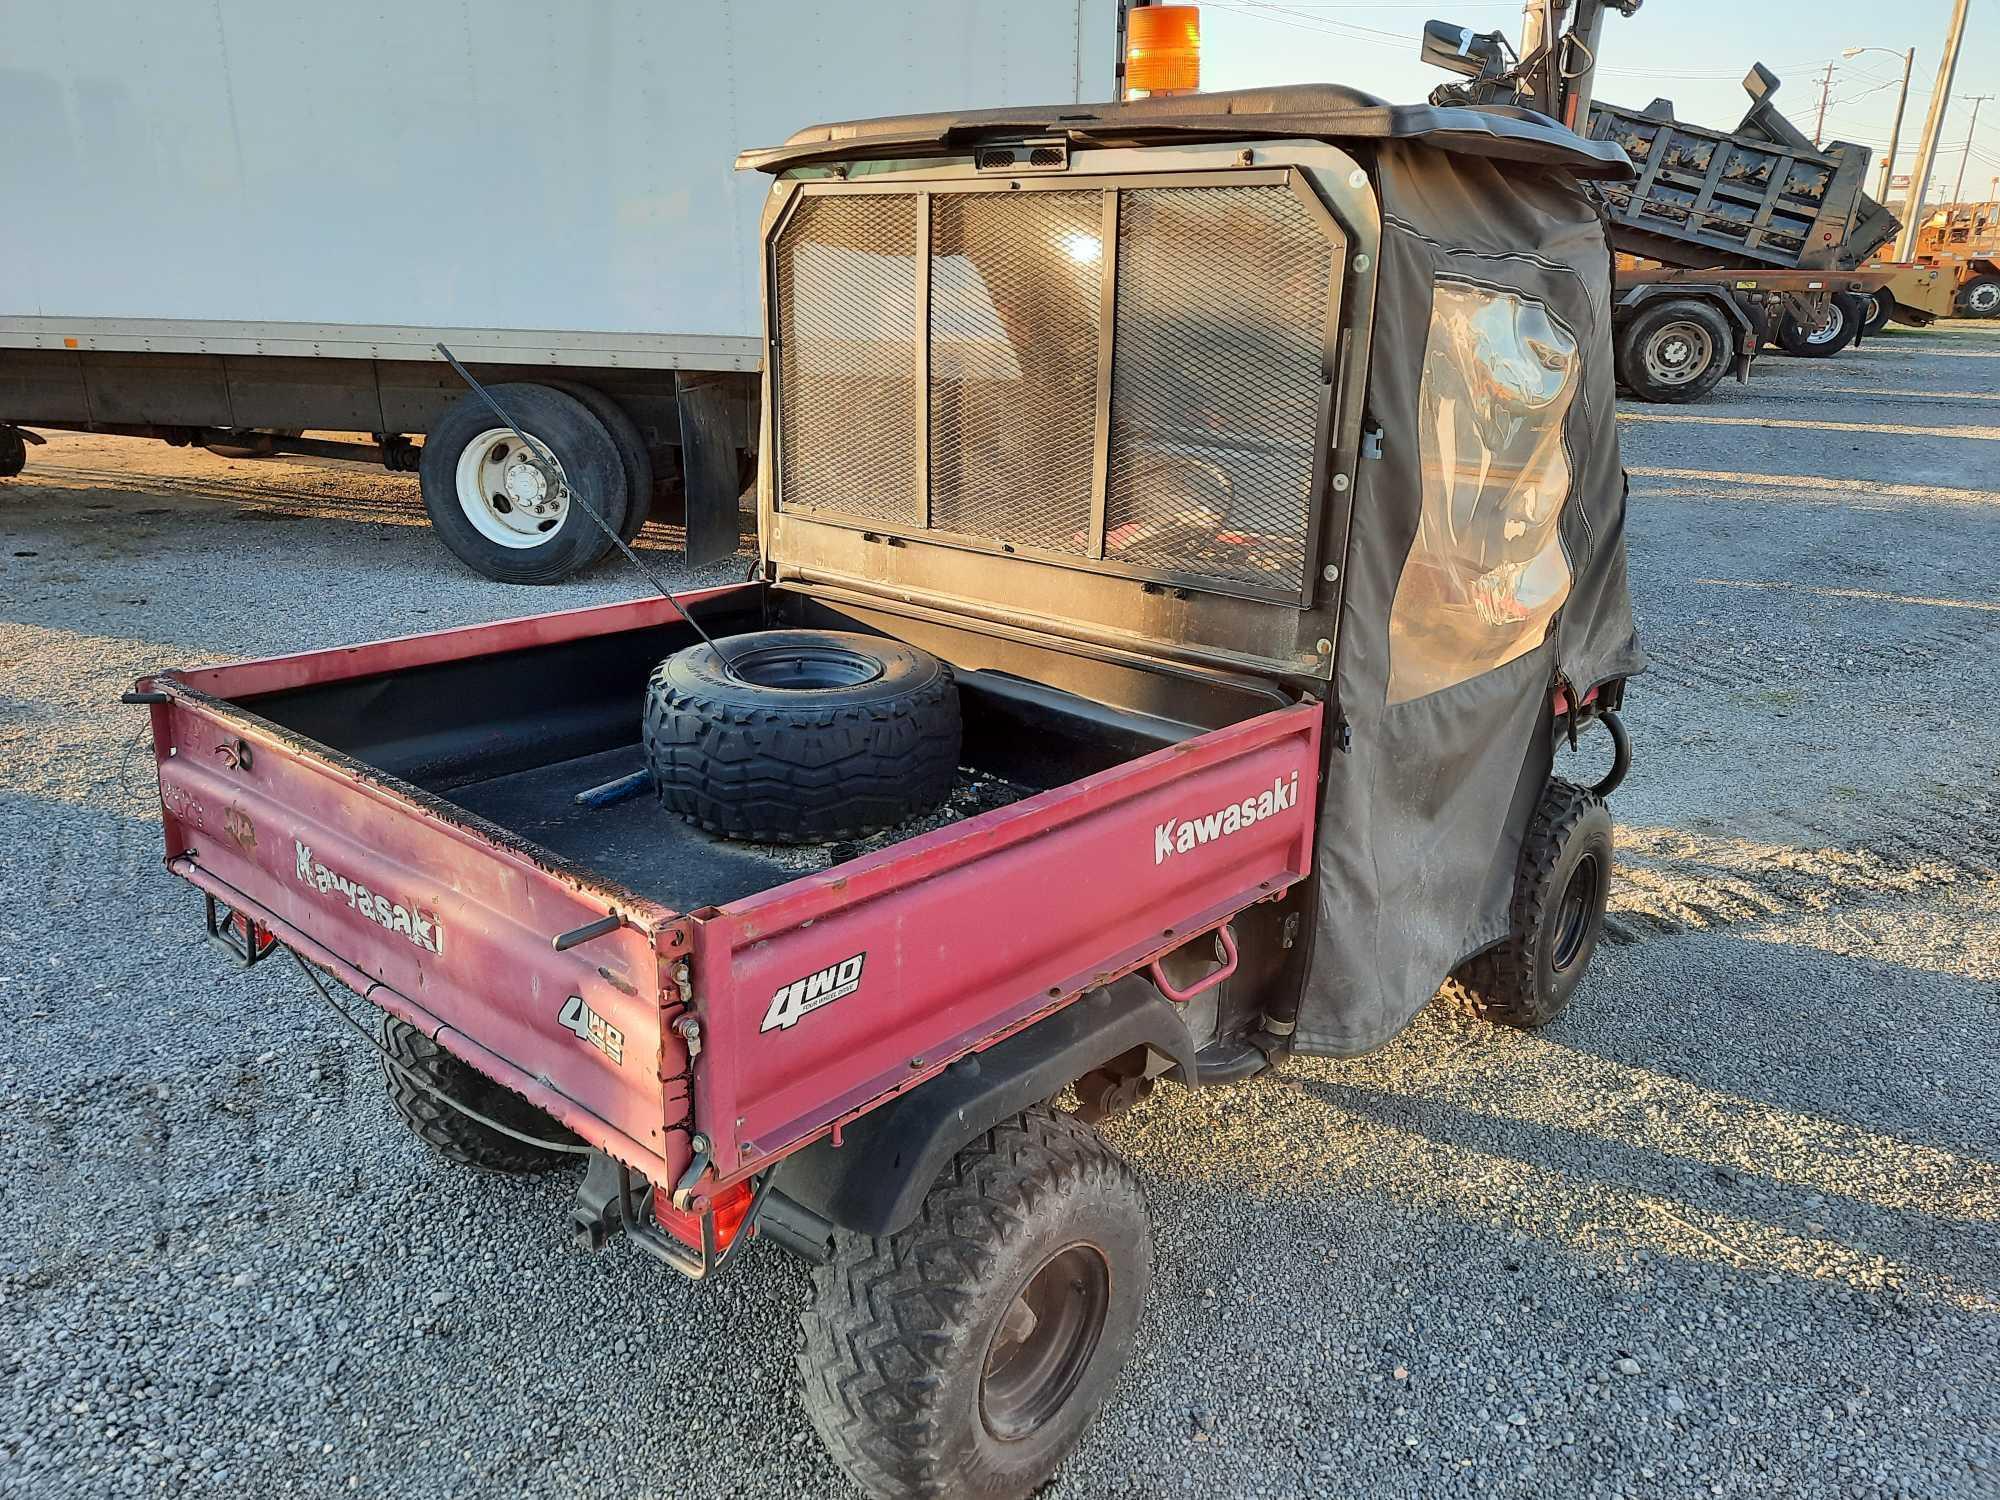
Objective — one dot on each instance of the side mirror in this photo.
(1460, 49)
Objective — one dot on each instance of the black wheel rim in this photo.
(1044, 1342)
(805, 668)
(1579, 906)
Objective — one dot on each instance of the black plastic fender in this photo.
(875, 1180)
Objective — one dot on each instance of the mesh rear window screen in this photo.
(1217, 357)
(1222, 303)
(847, 303)
(1014, 314)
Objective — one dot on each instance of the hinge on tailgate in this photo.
(688, 1029)
(683, 1197)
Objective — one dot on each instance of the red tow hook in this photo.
(1226, 936)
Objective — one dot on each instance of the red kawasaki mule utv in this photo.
(1187, 528)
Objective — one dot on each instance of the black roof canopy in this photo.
(1320, 111)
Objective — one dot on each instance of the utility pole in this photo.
(1896, 130)
(1958, 189)
(1825, 88)
(1933, 123)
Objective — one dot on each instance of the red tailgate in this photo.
(435, 920)
(830, 991)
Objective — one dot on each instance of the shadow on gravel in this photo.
(1644, 1188)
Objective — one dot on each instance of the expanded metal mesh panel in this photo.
(1222, 302)
(847, 329)
(1014, 311)
(1216, 351)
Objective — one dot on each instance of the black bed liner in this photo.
(643, 847)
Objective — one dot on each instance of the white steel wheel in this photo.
(503, 513)
(1679, 352)
(506, 494)
(1829, 327)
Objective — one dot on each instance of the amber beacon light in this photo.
(1162, 50)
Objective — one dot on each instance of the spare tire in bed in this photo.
(817, 735)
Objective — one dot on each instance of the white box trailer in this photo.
(230, 226)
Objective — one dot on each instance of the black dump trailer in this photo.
(1727, 240)
(1754, 236)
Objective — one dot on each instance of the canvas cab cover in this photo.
(1463, 522)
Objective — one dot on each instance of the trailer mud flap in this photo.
(711, 420)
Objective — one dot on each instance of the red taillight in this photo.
(731, 1207)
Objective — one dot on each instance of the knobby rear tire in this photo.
(903, 1329)
(417, 1070)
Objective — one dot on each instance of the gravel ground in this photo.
(1729, 1228)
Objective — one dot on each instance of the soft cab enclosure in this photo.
(1453, 522)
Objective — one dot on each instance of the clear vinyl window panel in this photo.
(1487, 571)
(1208, 306)
(847, 329)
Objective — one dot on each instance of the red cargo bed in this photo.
(400, 816)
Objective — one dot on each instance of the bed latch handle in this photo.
(568, 940)
(1226, 937)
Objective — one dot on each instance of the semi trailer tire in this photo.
(1876, 311)
(1560, 888)
(1979, 298)
(418, 1071)
(966, 1354)
(1674, 351)
(632, 453)
(1838, 321)
(13, 452)
(497, 510)
(809, 736)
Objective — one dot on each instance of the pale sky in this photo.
(1694, 52)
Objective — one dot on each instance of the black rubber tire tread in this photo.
(887, 1332)
(1876, 311)
(776, 767)
(1507, 983)
(1792, 334)
(1962, 300)
(633, 454)
(583, 447)
(1631, 368)
(427, 1070)
(13, 453)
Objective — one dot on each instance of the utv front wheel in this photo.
(966, 1354)
(421, 1076)
(1560, 888)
